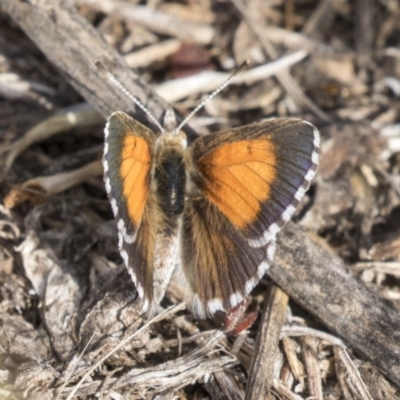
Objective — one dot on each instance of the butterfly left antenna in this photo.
(242, 67)
(124, 90)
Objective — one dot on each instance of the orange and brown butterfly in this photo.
(209, 212)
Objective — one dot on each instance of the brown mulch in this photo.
(328, 310)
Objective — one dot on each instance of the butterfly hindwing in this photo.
(219, 266)
(249, 180)
(127, 160)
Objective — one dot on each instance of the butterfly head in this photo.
(170, 135)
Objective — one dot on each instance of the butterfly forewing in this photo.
(257, 174)
(127, 160)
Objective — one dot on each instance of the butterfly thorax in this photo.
(170, 182)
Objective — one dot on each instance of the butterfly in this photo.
(208, 212)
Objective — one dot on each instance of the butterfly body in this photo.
(170, 173)
(208, 212)
(168, 198)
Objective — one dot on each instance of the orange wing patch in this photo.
(239, 177)
(134, 169)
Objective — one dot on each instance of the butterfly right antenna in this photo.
(235, 73)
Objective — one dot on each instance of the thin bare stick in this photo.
(296, 331)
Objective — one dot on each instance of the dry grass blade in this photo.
(208, 81)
